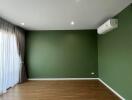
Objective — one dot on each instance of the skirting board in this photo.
(41, 79)
(44, 79)
(116, 93)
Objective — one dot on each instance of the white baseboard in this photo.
(42, 79)
(54, 79)
(116, 93)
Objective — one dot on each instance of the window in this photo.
(9, 61)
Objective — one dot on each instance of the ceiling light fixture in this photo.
(22, 24)
(72, 23)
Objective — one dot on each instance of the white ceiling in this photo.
(57, 14)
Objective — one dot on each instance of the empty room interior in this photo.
(65, 49)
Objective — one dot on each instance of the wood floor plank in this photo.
(60, 90)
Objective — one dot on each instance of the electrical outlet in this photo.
(92, 73)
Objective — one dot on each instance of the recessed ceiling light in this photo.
(22, 24)
(72, 23)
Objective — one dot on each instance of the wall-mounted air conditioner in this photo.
(108, 26)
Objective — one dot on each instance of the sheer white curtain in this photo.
(10, 61)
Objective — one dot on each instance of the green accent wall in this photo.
(61, 54)
(115, 55)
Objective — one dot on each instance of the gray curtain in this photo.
(20, 35)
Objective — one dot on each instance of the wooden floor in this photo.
(60, 90)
